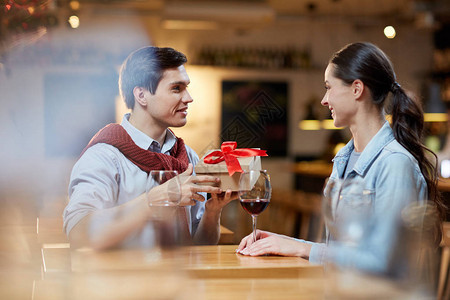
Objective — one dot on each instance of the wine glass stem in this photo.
(254, 227)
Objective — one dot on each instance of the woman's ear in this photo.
(357, 88)
(139, 95)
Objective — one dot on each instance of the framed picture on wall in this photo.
(254, 114)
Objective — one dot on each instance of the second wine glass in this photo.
(171, 182)
(254, 193)
(164, 205)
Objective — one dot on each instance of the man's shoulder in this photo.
(100, 154)
(101, 149)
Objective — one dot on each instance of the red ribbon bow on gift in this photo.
(229, 154)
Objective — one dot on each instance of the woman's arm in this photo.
(271, 243)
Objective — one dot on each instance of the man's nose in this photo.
(187, 98)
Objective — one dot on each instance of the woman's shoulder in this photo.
(394, 148)
(396, 157)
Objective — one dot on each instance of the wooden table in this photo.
(314, 169)
(203, 272)
(197, 272)
(145, 285)
(197, 262)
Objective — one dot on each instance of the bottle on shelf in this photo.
(255, 57)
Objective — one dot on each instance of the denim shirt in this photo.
(392, 178)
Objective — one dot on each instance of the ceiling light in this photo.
(189, 25)
(74, 5)
(389, 32)
(74, 21)
(229, 12)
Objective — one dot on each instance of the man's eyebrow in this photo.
(180, 82)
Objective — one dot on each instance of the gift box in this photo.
(228, 163)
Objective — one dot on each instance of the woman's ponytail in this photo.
(407, 125)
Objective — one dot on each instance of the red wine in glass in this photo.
(254, 193)
(254, 206)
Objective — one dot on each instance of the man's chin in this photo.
(178, 124)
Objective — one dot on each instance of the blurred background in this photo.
(256, 69)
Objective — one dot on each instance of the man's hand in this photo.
(190, 188)
(219, 201)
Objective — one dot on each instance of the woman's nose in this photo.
(324, 101)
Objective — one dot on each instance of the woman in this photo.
(389, 160)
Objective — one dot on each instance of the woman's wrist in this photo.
(305, 250)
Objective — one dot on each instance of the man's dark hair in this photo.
(144, 68)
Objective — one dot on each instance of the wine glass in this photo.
(331, 193)
(164, 204)
(347, 209)
(254, 193)
(172, 187)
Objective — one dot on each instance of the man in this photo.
(108, 205)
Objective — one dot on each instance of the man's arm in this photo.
(106, 228)
(93, 217)
(208, 231)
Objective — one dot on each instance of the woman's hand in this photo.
(271, 243)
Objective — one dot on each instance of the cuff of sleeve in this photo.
(69, 223)
(306, 242)
(317, 254)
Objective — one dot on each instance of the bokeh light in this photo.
(389, 32)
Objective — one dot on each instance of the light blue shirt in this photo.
(392, 178)
(103, 178)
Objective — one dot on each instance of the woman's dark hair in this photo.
(144, 68)
(368, 63)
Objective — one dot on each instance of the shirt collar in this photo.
(369, 154)
(143, 140)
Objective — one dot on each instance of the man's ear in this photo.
(357, 88)
(139, 95)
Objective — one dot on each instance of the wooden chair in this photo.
(280, 216)
(444, 276)
(226, 236)
(312, 225)
(300, 207)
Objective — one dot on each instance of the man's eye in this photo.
(176, 88)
